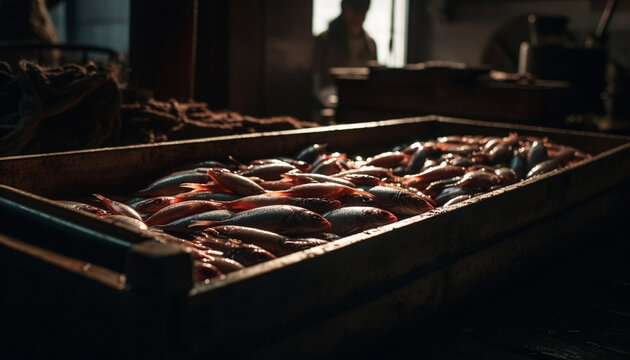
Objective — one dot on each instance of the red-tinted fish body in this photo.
(543, 167)
(272, 171)
(506, 175)
(209, 186)
(481, 167)
(416, 161)
(329, 166)
(277, 244)
(277, 185)
(182, 209)
(126, 220)
(204, 271)
(353, 219)
(346, 194)
(500, 154)
(435, 187)
(246, 254)
(440, 172)
(267, 240)
(170, 185)
(479, 179)
(537, 153)
(300, 165)
(390, 159)
(300, 244)
(208, 195)
(254, 201)
(491, 143)
(458, 199)
(379, 172)
(152, 205)
(362, 180)
(223, 264)
(399, 201)
(283, 219)
(83, 207)
(559, 159)
(235, 183)
(306, 178)
(118, 208)
(458, 149)
(182, 225)
(310, 153)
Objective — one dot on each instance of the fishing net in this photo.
(54, 109)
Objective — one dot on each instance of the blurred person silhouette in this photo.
(344, 44)
(26, 22)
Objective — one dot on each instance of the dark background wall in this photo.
(270, 57)
(93, 22)
(459, 30)
(252, 56)
(255, 56)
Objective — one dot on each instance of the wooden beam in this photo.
(162, 47)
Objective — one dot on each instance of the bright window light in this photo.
(377, 24)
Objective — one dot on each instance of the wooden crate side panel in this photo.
(401, 250)
(436, 292)
(79, 302)
(126, 169)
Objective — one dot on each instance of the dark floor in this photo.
(577, 308)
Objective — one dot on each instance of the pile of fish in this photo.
(236, 215)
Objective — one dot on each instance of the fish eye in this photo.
(315, 217)
(157, 201)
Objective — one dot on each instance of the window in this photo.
(377, 24)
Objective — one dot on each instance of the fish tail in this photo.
(105, 200)
(234, 160)
(234, 205)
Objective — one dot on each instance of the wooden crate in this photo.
(117, 292)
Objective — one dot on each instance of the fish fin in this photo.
(354, 230)
(202, 223)
(107, 202)
(276, 193)
(288, 176)
(233, 159)
(196, 186)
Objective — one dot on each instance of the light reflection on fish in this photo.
(237, 214)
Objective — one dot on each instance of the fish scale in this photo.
(284, 219)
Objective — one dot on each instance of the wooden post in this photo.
(162, 47)
(159, 268)
(159, 277)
